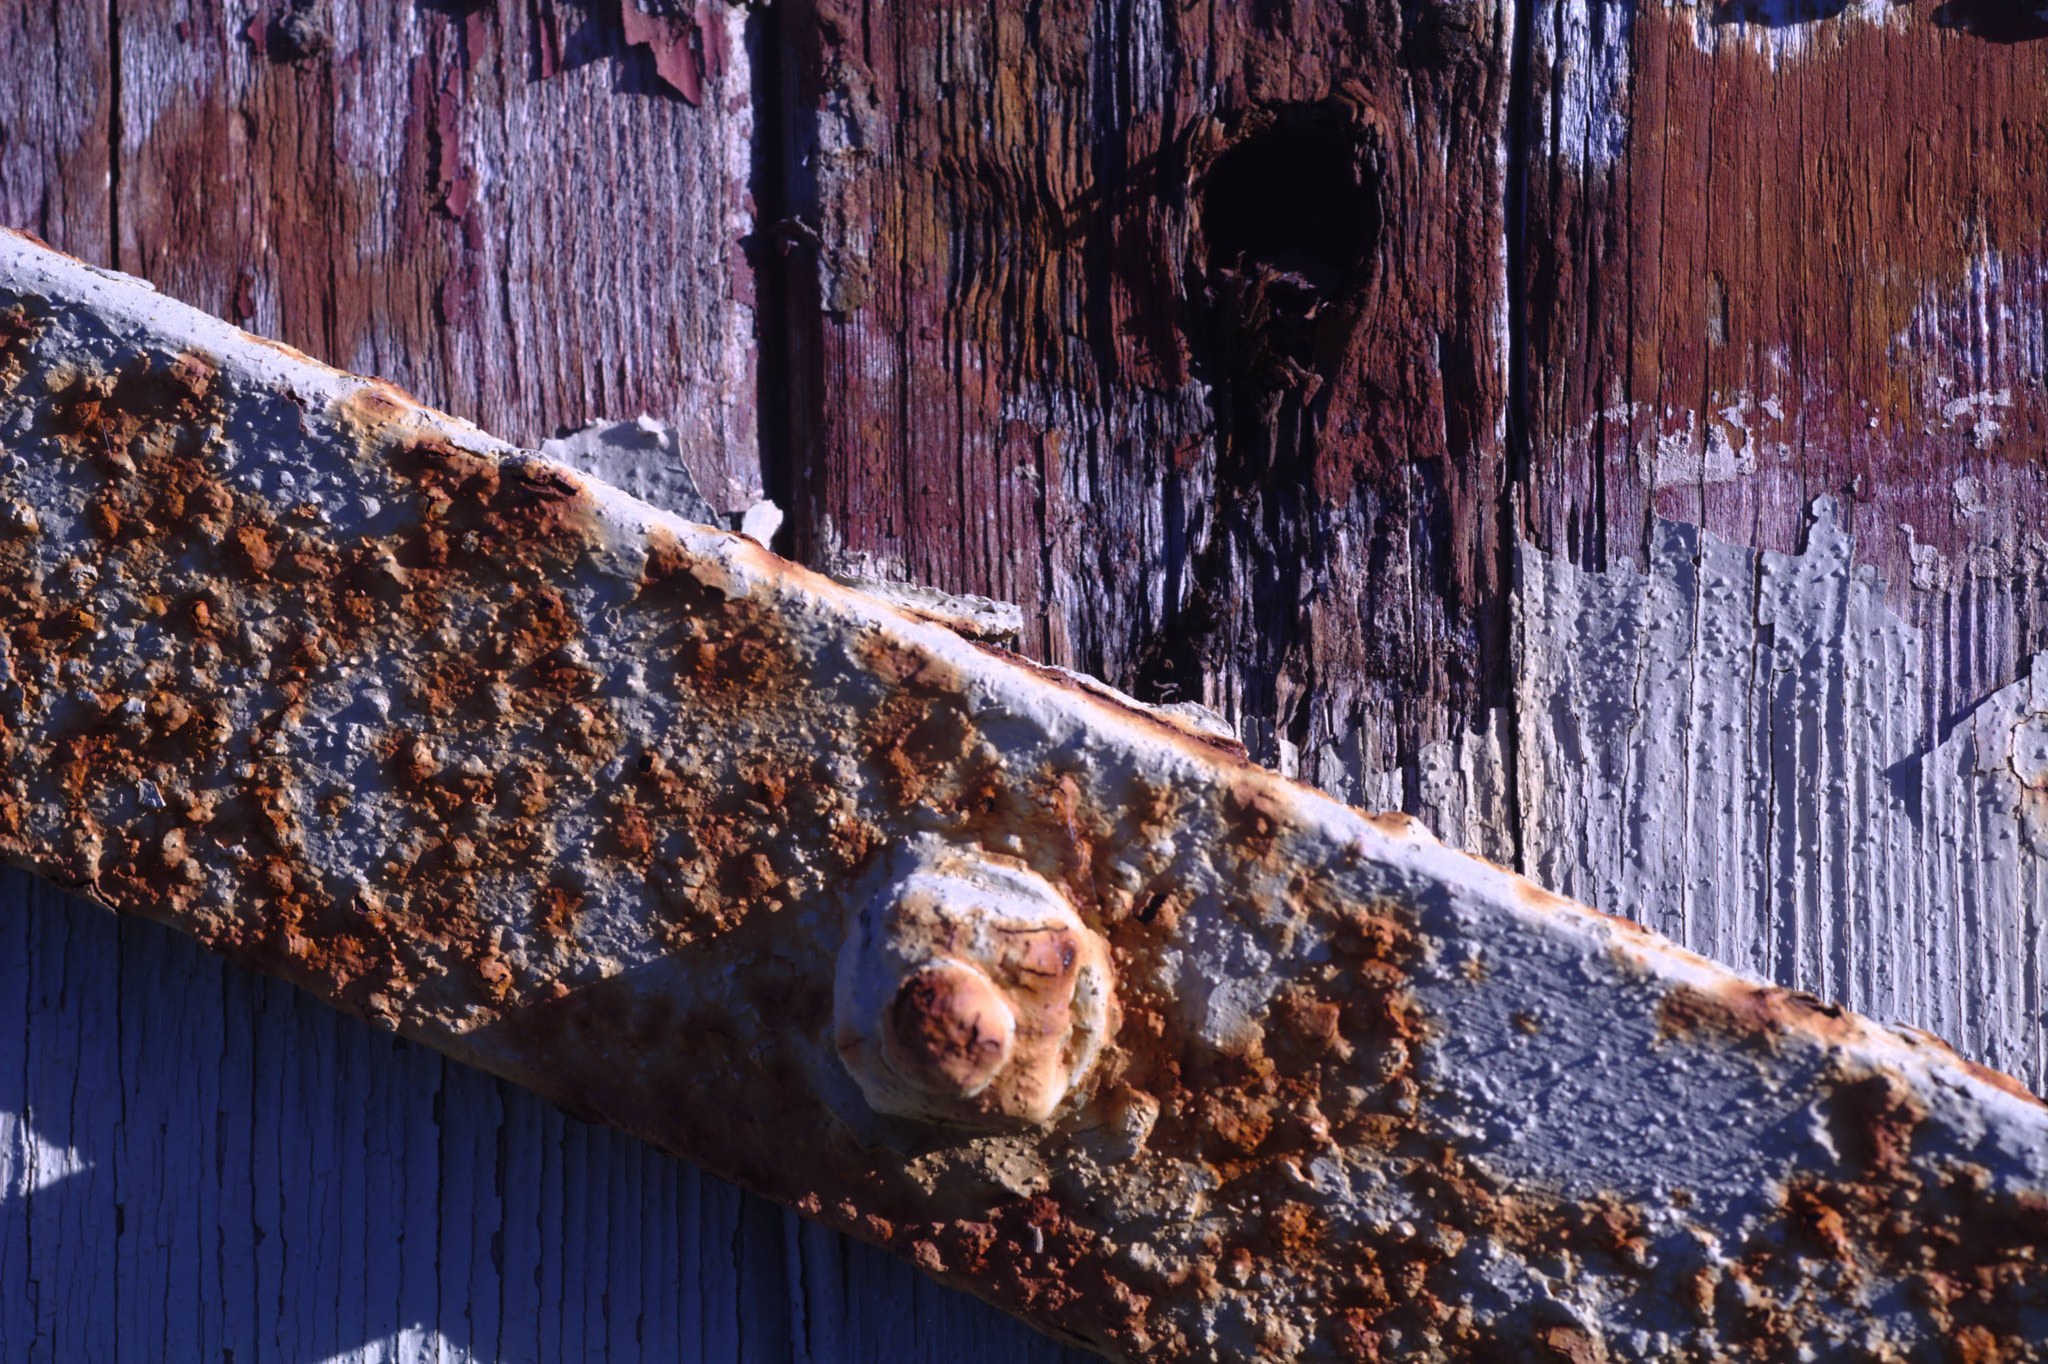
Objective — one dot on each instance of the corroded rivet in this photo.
(950, 1029)
(969, 991)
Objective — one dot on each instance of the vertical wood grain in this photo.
(56, 106)
(1747, 259)
(1182, 326)
(498, 206)
(1727, 748)
(198, 1163)
(1782, 584)
(1774, 258)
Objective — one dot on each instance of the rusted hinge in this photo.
(1052, 993)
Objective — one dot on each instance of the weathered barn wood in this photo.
(1785, 274)
(501, 205)
(1727, 239)
(505, 209)
(1774, 260)
(1185, 328)
(1743, 282)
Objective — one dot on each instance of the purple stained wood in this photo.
(1787, 257)
(501, 208)
(1185, 328)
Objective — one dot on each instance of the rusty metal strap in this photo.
(1060, 998)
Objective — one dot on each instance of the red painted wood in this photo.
(1183, 327)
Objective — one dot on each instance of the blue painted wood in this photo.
(201, 1164)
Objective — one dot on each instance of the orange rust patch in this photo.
(669, 564)
(1401, 826)
(1749, 1014)
(517, 512)
(1258, 819)
(906, 667)
(217, 561)
(18, 332)
(2005, 1084)
(375, 407)
(2000, 1081)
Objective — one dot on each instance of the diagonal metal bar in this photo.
(1056, 996)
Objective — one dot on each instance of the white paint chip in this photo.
(761, 521)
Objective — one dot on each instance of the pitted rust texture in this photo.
(601, 801)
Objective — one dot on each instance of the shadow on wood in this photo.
(201, 1163)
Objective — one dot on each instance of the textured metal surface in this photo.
(593, 797)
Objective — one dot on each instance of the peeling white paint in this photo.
(1930, 566)
(1586, 45)
(643, 457)
(1975, 345)
(1728, 748)
(1969, 496)
(1677, 449)
(1974, 411)
(1683, 459)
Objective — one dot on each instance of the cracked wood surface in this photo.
(1185, 328)
(1622, 165)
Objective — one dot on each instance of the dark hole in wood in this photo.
(1291, 216)
(646, 762)
(1777, 13)
(1294, 198)
(1996, 21)
(301, 31)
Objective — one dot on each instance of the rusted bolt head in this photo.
(970, 992)
(950, 1029)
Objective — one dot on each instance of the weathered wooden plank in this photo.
(196, 1161)
(1184, 327)
(1776, 260)
(1786, 292)
(500, 207)
(1729, 746)
(56, 163)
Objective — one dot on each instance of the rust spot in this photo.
(1752, 1015)
(1873, 1120)
(949, 1029)
(1570, 1345)
(632, 834)
(19, 330)
(374, 408)
(704, 582)
(906, 668)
